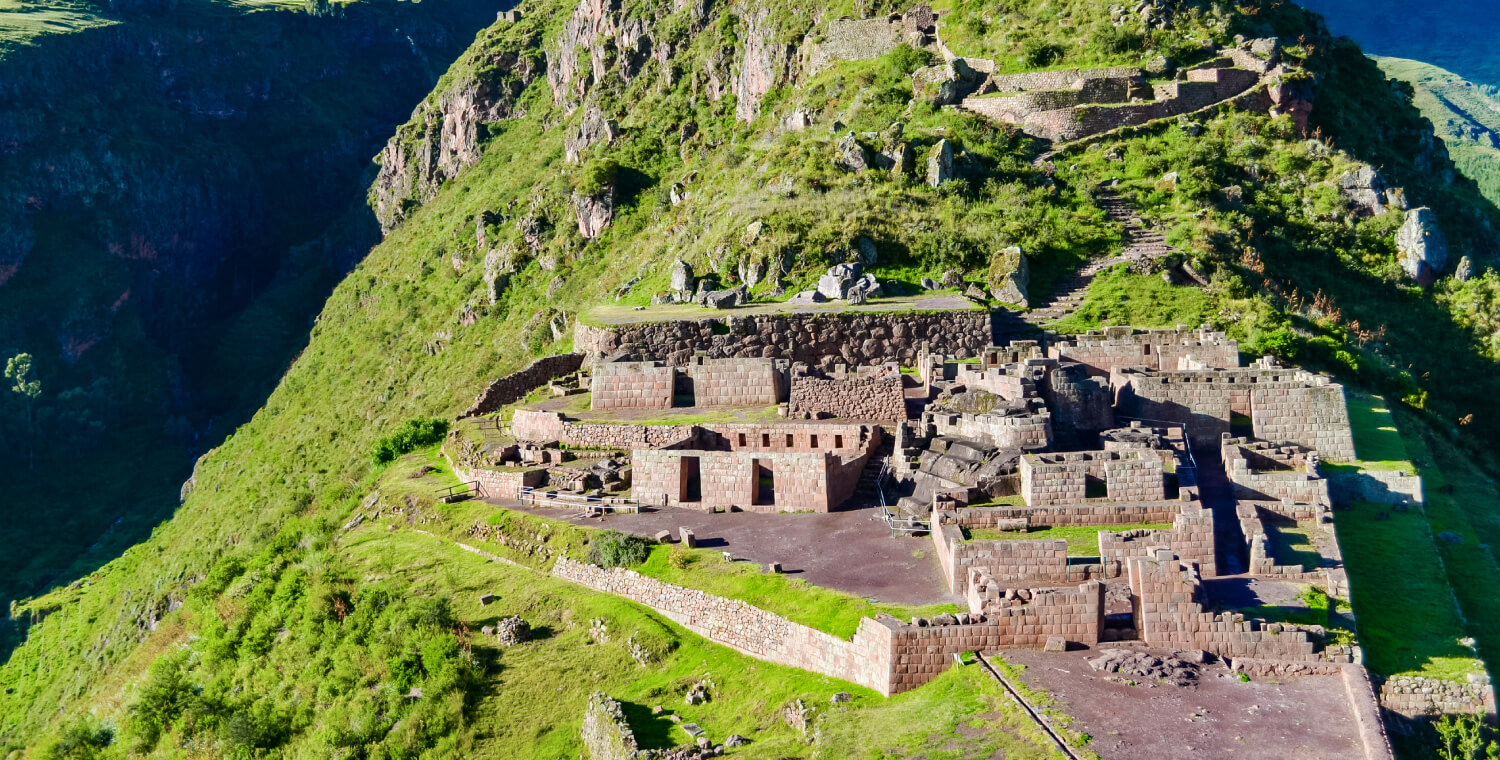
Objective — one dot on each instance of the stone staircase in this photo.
(1141, 244)
(866, 492)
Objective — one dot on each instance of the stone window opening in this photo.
(814, 443)
(838, 442)
(765, 483)
(765, 440)
(789, 440)
(742, 440)
(1095, 487)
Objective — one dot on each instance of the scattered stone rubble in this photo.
(1149, 668)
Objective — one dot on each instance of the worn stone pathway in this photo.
(1141, 244)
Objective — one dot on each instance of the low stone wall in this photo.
(606, 733)
(1104, 350)
(820, 340)
(1296, 477)
(539, 426)
(1378, 486)
(631, 385)
(1061, 79)
(1130, 475)
(1017, 560)
(1191, 538)
(507, 484)
(1072, 514)
(1423, 697)
(514, 387)
(1027, 432)
(1169, 614)
(867, 394)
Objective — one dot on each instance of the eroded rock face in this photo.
(760, 60)
(595, 212)
(594, 128)
(1421, 247)
(852, 157)
(940, 163)
(595, 40)
(442, 139)
(1365, 189)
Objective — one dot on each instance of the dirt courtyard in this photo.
(849, 550)
(1307, 718)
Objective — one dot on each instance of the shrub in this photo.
(1037, 53)
(412, 434)
(680, 558)
(615, 549)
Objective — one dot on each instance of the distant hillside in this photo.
(1457, 35)
(1465, 114)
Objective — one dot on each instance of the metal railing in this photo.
(894, 522)
(466, 490)
(539, 498)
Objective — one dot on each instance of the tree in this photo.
(18, 371)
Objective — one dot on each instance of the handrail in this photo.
(469, 488)
(894, 523)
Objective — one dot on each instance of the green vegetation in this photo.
(1377, 441)
(1466, 115)
(412, 434)
(1316, 608)
(615, 549)
(1117, 297)
(1293, 544)
(1083, 540)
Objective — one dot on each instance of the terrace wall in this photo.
(515, 386)
(1048, 479)
(820, 340)
(631, 385)
(1114, 347)
(867, 394)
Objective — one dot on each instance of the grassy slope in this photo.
(1456, 106)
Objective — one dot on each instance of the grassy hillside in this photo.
(1465, 114)
(252, 600)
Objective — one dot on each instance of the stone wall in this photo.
(735, 382)
(1081, 405)
(538, 426)
(1191, 538)
(1048, 479)
(1025, 431)
(1268, 472)
(867, 394)
(514, 387)
(606, 733)
(631, 385)
(1290, 405)
(1017, 560)
(730, 479)
(850, 39)
(1169, 614)
(1072, 514)
(505, 484)
(821, 340)
(865, 660)
(1378, 486)
(1423, 697)
(1104, 350)
(1061, 79)
(885, 654)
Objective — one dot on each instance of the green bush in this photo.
(1038, 53)
(413, 434)
(615, 549)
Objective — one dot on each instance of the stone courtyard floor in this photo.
(1293, 719)
(849, 550)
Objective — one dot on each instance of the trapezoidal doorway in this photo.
(691, 484)
(765, 483)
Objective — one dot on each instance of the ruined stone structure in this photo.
(701, 382)
(514, 387)
(1264, 471)
(1289, 405)
(1074, 477)
(606, 733)
(868, 393)
(817, 340)
(1103, 351)
(1069, 105)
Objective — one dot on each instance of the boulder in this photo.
(1365, 189)
(594, 212)
(1421, 247)
(798, 120)
(1464, 270)
(1010, 275)
(806, 297)
(952, 279)
(682, 277)
(940, 163)
(726, 299)
(839, 279)
(868, 254)
(852, 156)
(930, 284)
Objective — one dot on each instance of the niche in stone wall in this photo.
(1095, 487)
(765, 482)
(683, 391)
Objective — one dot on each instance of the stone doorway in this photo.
(765, 483)
(692, 482)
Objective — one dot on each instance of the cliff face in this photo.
(166, 184)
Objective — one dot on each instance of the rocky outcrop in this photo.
(1009, 277)
(760, 61)
(442, 138)
(1420, 245)
(940, 163)
(595, 212)
(597, 39)
(1365, 189)
(851, 156)
(594, 128)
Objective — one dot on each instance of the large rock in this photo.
(1366, 189)
(1421, 247)
(946, 84)
(725, 299)
(594, 212)
(595, 128)
(839, 279)
(682, 277)
(1009, 277)
(940, 163)
(852, 157)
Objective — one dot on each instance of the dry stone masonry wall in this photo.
(818, 340)
(606, 733)
(1117, 347)
(514, 387)
(867, 394)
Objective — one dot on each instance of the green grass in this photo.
(1316, 608)
(827, 610)
(1083, 540)
(1014, 500)
(1377, 441)
(1408, 621)
(1293, 545)
(1117, 297)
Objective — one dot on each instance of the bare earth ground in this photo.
(1301, 719)
(850, 550)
